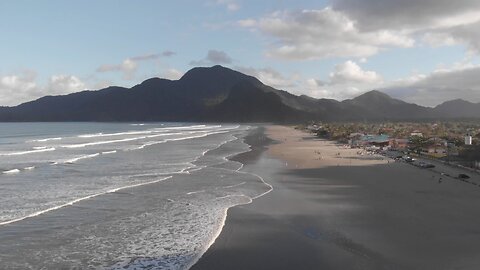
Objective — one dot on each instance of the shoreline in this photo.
(256, 148)
(346, 215)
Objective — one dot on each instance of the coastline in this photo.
(258, 142)
(346, 215)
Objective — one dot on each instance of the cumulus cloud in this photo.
(172, 74)
(17, 88)
(271, 77)
(22, 87)
(362, 28)
(316, 34)
(460, 81)
(464, 34)
(438, 39)
(347, 80)
(62, 84)
(351, 72)
(315, 83)
(409, 14)
(318, 89)
(129, 66)
(297, 84)
(440, 22)
(213, 57)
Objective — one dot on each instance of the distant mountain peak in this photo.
(210, 71)
(374, 97)
(453, 108)
(374, 94)
(457, 101)
(153, 81)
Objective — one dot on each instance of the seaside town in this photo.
(453, 142)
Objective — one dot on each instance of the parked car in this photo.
(425, 165)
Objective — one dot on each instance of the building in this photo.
(361, 140)
(416, 133)
(468, 140)
(398, 144)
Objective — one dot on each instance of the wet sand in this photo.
(345, 212)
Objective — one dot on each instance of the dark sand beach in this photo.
(383, 216)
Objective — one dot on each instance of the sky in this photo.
(421, 51)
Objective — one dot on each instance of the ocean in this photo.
(117, 195)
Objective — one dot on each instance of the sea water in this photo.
(117, 195)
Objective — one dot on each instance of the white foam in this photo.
(147, 144)
(47, 139)
(28, 152)
(194, 137)
(114, 134)
(170, 134)
(90, 135)
(39, 147)
(176, 139)
(109, 152)
(214, 238)
(29, 168)
(73, 160)
(236, 185)
(81, 199)
(204, 133)
(182, 171)
(101, 142)
(11, 171)
(196, 169)
(188, 127)
(144, 131)
(195, 192)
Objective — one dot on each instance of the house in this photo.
(398, 144)
(416, 133)
(362, 140)
(435, 150)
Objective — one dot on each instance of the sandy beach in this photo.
(332, 208)
(301, 150)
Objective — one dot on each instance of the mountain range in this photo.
(219, 94)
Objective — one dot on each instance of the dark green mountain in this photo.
(458, 108)
(219, 94)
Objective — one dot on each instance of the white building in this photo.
(468, 140)
(416, 133)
